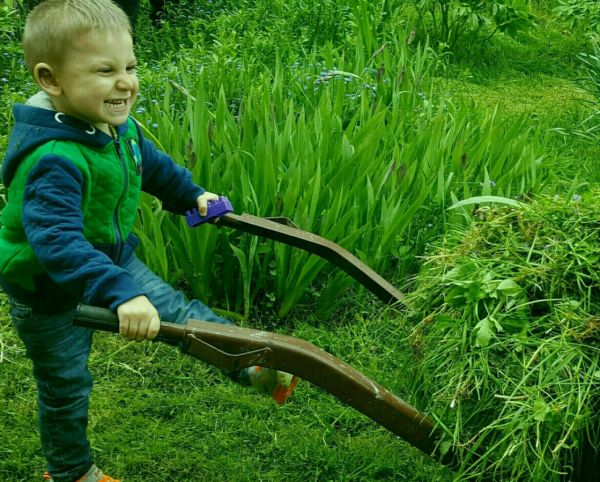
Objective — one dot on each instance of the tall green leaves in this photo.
(368, 158)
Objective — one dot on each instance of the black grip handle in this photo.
(96, 318)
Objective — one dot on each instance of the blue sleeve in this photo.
(53, 222)
(166, 180)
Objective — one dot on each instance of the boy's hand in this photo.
(202, 202)
(138, 319)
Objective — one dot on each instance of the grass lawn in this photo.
(157, 415)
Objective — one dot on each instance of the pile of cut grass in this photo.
(508, 339)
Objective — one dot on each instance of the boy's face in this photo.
(97, 80)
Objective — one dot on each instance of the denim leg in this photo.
(59, 352)
(172, 305)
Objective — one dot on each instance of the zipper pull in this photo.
(115, 136)
(134, 150)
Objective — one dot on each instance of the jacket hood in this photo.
(37, 124)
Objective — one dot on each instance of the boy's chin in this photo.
(120, 120)
(116, 120)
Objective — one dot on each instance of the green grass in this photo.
(157, 415)
(506, 337)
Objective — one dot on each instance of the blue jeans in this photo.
(60, 352)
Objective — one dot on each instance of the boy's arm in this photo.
(53, 224)
(166, 180)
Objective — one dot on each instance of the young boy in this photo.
(74, 169)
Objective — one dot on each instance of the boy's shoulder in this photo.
(45, 132)
(41, 130)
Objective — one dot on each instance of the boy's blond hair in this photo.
(54, 24)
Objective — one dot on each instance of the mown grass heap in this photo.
(506, 339)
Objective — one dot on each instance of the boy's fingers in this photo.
(123, 326)
(133, 330)
(141, 332)
(153, 328)
(203, 202)
(202, 206)
(138, 319)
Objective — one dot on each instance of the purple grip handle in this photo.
(216, 208)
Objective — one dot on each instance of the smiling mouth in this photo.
(116, 102)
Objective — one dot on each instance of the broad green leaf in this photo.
(487, 199)
(540, 410)
(483, 332)
(508, 287)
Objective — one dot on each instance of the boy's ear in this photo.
(45, 76)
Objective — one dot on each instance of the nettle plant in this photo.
(450, 21)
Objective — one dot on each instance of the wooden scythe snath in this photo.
(285, 233)
(230, 347)
(283, 230)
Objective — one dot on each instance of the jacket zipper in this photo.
(119, 237)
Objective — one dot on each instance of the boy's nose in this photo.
(126, 82)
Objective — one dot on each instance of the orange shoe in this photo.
(94, 474)
(278, 384)
(283, 391)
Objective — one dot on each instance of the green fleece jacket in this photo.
(73, 194)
